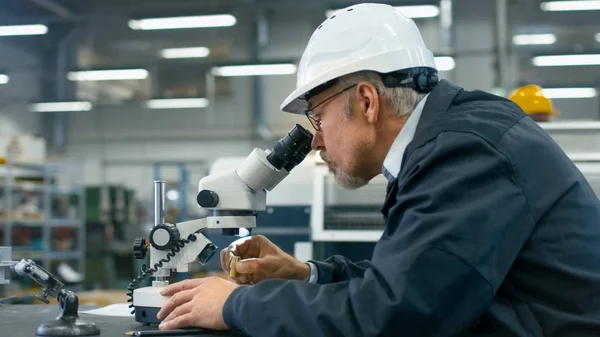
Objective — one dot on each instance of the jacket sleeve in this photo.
(459, 221)
(338, 268)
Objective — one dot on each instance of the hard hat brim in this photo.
(384, 63)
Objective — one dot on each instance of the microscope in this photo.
(232, 199)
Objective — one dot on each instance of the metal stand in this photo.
(68, 322)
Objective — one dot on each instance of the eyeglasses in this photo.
(315, 122)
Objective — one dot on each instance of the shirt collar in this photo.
(393, 161)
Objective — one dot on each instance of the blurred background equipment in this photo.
(5, 263)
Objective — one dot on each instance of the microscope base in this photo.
(146, 315)
(147, 302)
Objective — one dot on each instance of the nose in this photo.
(317, 141)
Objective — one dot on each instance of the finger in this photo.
(180, 311)
(176, 323)
(244, 246)
(248, 266)
(224, 264)
(180, 286)
(175, 301)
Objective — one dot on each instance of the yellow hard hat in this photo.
(531, 99)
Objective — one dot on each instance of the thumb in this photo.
(248, 266)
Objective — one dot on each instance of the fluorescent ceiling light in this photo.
(179, 53)
(566, 60)
(177, 103)
(183, 22)
(23, 30)
(4, 79)
(444, 63)
(108, 75)
(414, 12)
(61, 106)
(255, 70)
(531, 39)
(598, 37)
(563, 6)
(570, 92)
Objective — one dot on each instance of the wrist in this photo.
(303, 273)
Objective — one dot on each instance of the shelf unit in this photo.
(50, 182)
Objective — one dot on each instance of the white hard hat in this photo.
(374, 37)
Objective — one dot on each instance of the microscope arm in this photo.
(178, 245)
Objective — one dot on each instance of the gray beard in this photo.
(349, 182)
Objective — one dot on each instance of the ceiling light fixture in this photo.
(60, 106)
(568, 6)
(444, 63)
(534, 39)
(183, 22)
(20, 30)
(180, 53)
(108, 75)
(566, 60)
(255, 70)
(570, 92)
(177, 103)
(413, 12)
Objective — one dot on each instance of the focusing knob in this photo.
(140, 249)
(164, 236)
(207, 199)
(207, 253)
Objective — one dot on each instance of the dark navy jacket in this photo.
(491, 230)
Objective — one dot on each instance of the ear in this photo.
(367, 99)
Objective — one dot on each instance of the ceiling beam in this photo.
(55, 8)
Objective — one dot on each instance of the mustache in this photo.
(325, 157)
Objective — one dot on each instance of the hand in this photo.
(196, 303)
(261, 260)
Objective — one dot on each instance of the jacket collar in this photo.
(438, 102)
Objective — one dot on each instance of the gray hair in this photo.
(402, 100)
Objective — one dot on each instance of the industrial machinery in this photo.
(5, 257)
(231, 197)
(341, 215)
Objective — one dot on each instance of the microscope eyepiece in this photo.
(291, 149)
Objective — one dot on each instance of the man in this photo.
(532, 100)
(490, 230)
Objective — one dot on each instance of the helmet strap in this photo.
(422, 79)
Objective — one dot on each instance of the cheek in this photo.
(343, 147)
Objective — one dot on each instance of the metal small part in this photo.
(140, 248)
(164, 236)
(232, 266)
(159, 202)
(207, 253)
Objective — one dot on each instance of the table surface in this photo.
(22, 321)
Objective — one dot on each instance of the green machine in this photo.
(111, 210)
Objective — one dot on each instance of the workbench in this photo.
(22, 321)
